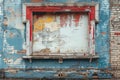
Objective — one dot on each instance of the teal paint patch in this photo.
(66, 64)
(1, 35)
(16, 39)
(1, 39)
(53, 74)
(102, 40)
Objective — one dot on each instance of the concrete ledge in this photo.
(61, 56)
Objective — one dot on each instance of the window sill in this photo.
(61, 57)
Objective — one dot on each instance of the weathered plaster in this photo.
(13, 40)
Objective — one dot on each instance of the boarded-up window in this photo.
(60, 33)
(57, 31)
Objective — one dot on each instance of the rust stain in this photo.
(62, 75)
(11, 35)
(43, 51)
(60, 60)
(47, 50)
(76, 19)
(58, 51)
(35, 18)
(63, 19)
(36, 0)
(5, 22)
(21, 52)
(103, 33)
(35, 40)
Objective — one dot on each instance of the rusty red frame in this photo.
(91, 9)
(31, 9)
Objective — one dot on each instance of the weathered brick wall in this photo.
(115, 37)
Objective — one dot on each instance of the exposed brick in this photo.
(115, 38)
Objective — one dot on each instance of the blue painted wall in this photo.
(12, 40)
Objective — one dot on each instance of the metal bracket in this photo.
(60, 60)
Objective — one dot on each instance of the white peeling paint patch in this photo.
(8, 61)
(18, 61)
(6, 47)
(53, 26)
(19, 25)
(12, 52)
(10, 47)
(1, 13)
(1, 1)
(11, 71)
(24, 45)
(12, 62)
(105, 6)
(15, 51)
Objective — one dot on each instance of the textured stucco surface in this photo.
(12, 40)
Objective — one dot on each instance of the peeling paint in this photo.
(12, 62)
(11, 71)
(55, 32)
(12, 37)
(21, 52)
(105, 6)
(18, 61)
(36, 0)
(39, 25)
